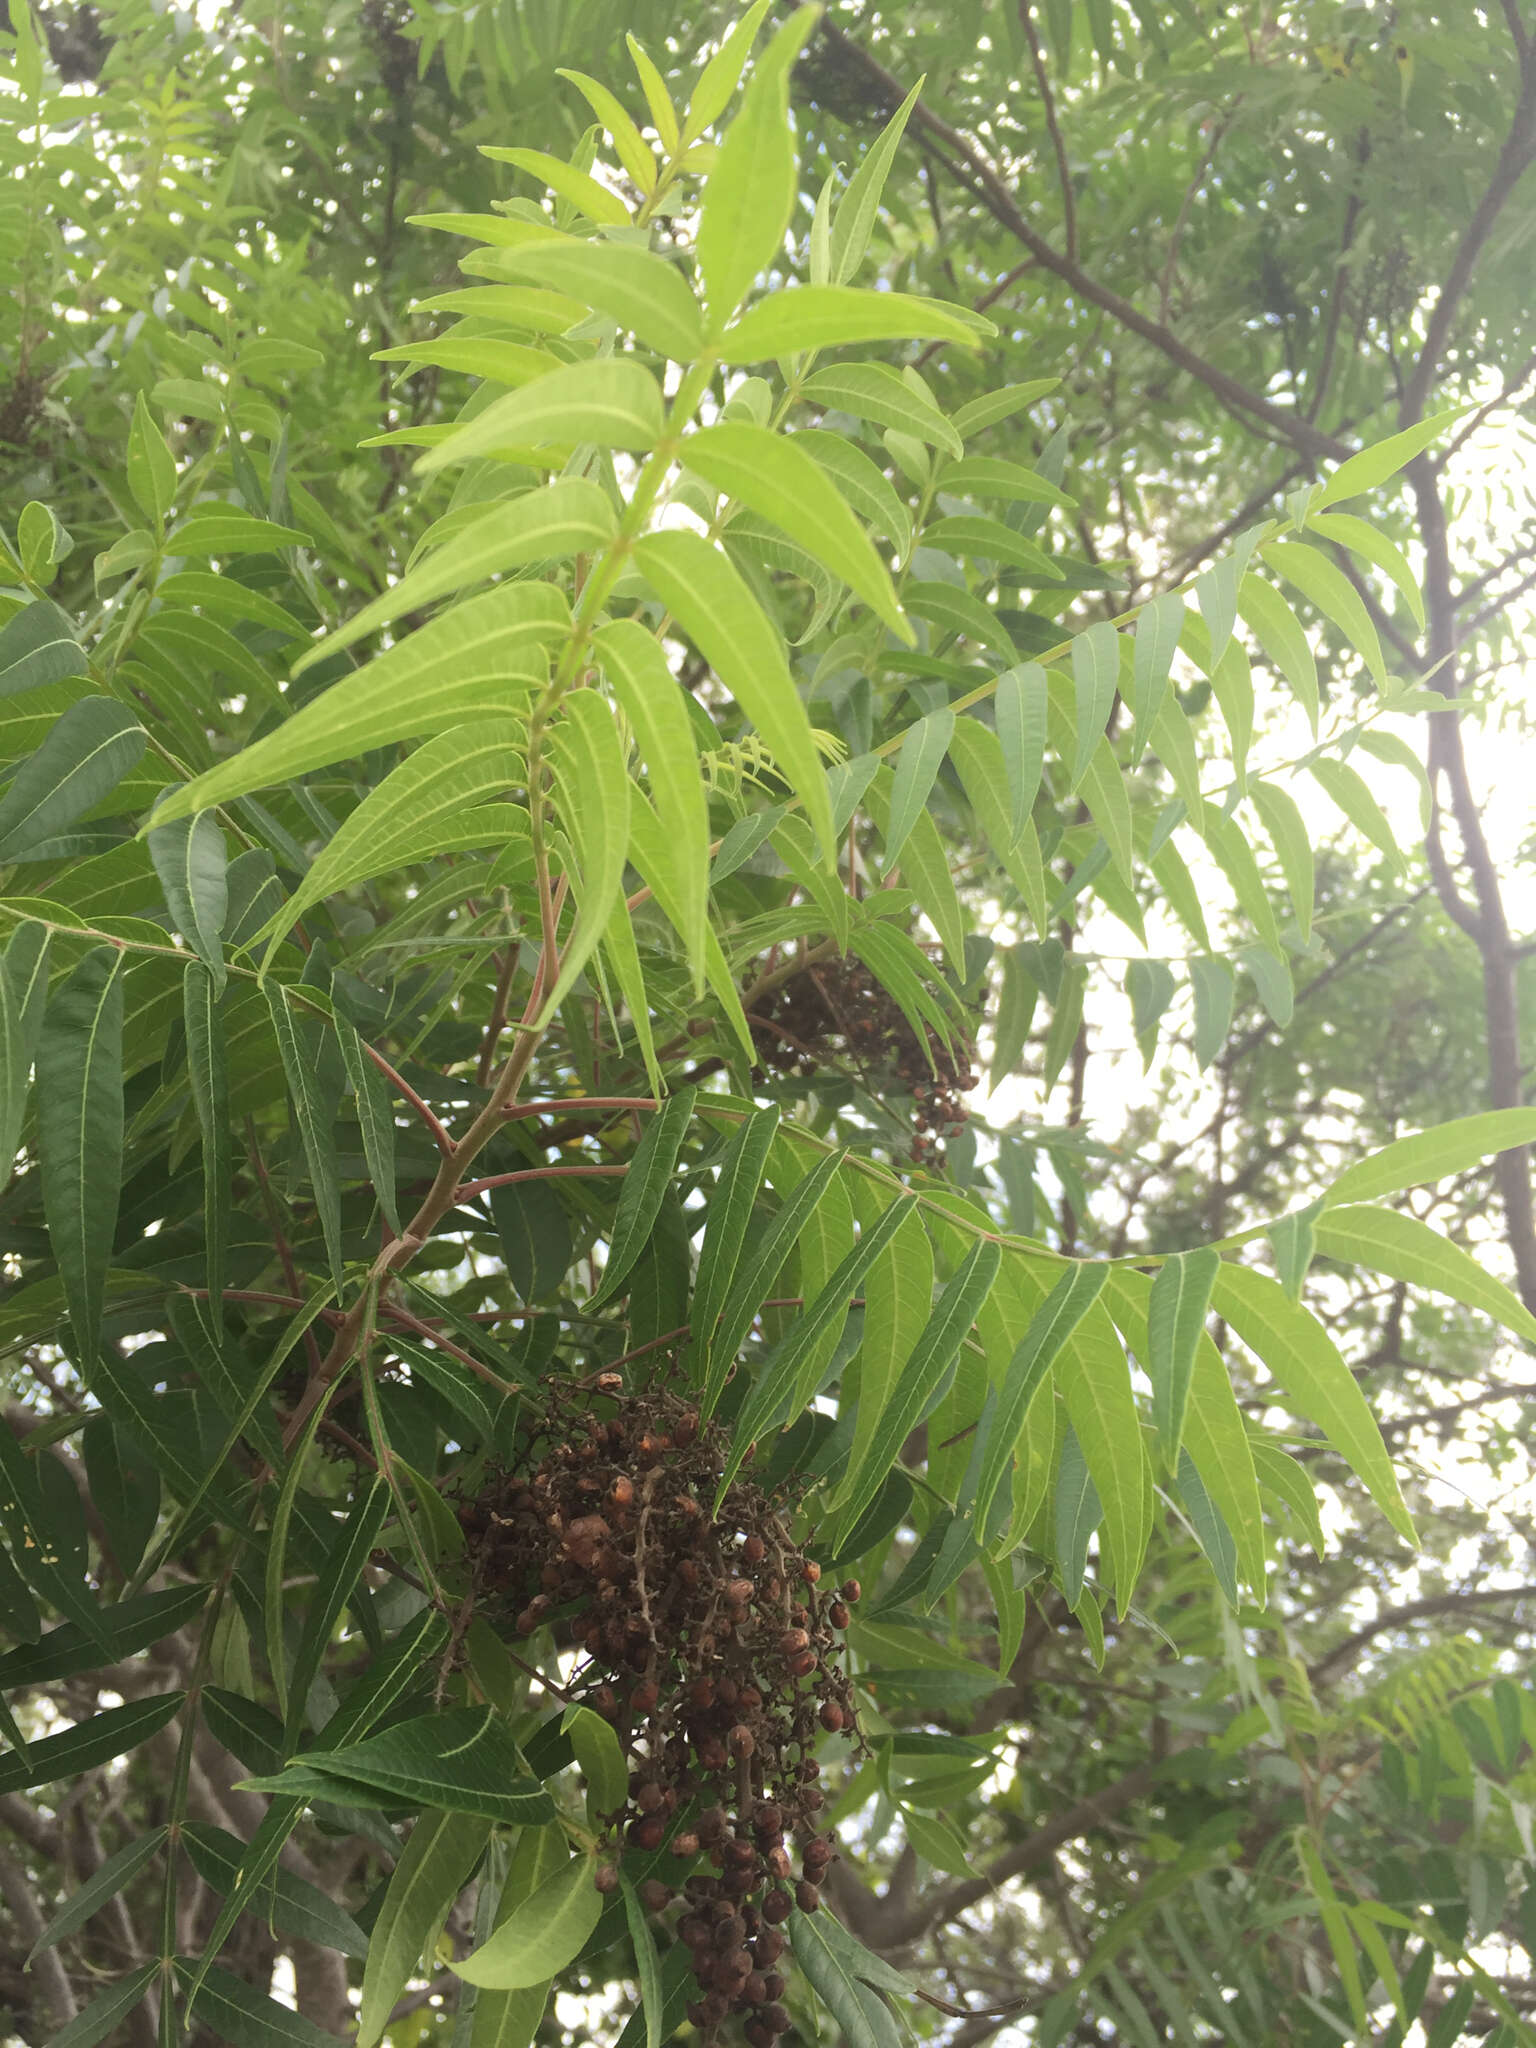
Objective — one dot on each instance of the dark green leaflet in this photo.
(80, 1133)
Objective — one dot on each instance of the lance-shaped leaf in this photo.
(647, 1967)
(570, 517)
(1096, 678)
(1283, 638)
(863, 2018)
(462, 1759)
(605, 402)
(88, 752)
(1313, 1378)
(375, 1115)
(854, 221)
(1078, 1515)
(653, 701)
(1022, 708)
(776, 478)
(23, 995)
(922, 1379)
(631, 147)
(290, 1903)
(1334, 596)
(444, 1848)
(582, 191)
(80, 1132)
(230, 530)
(1434, 1154)
(874, 391)
(540, 1936)
(208, 1075)
(1351, 793)
(440, 800)
(96, 1740)
(752, 1282)
(105, 1884)
(1102, 1407)
(646, 1182)
(593, 787)
(815, 316)
(106, 2012)
(779, 1389)
(750, 193)
(1373, 466)
(1176, 1311)
(640, 291)
(717, 610)
(863, 485)
(983, 476)
(192, 862)
(725, 1227)
(38, 646)
(923, 748)
(1391, 1241)
(1050, 1327)
(314, 1125)
(1292, 842)
(479, 661)
(1215, 989)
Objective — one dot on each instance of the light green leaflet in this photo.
(86, 754)
(856, 214)
(1280, 633)
(541, 1935)
(442, 1851)
(816, 316)
(593, 788)
(481, 660)
(607, 402)
(583, 192)
(437, 801)
(641, 291)
(872, 391)
(1391, 1241)
(923, 748)
(751, 191)
(1312, 1377)
(1096, 678)
(776, 478)
(192, 860)
(1292, 842)
(1432, 1155)
(1176, 1312)
(561, 519)
(1052, 1324)
(1334, 596)
(710, 598)
(80, 1133)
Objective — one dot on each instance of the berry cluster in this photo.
(838, 1011)
(711, 1648)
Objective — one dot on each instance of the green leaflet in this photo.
(1022, 706)
(1096, 678)
(606, 402)
(1102, 1409)
(290, 1902)
(898, 1301)
(192, 862)
(854, 220)
(461, 1759)
(246, 2018)
(1373, 466)
(23, 995)
(923, 748)
(1334, 596)
(1349, 790)
(1433, 1154)
(1052, 1324)
(87, 753)
(541, 1935)
(983, 476)
(229, 530)
(649, 1176)
(105, 1884)
(698, 583)
(1362, 539)
(632, 150)
(872, 391)
(593, 789)
(600, 1759)
(750, 194)
(1078, 1514)
(754, 1279)
(1281, 635)
(314, 1127)
(921, 1380)
(106, 2010)
(768, 472)
(439, 800)
(80, 1133)
(1313, 1377)
(652, 700)
(477, 661)
(509, 2019)
(1292, 842)
(1215, 989)
(375, 1114)
(207, 1073)
(831, 1961)
(816, 316)
(1392, 1241)
(725, 1230)
(647, 1966)
(96, 1740)
(1176, 1311)
(444, 1848)
(561, 519)
(335, 1584)
(717, 81)
(38, 646)
(584, 193)
(780, 1389)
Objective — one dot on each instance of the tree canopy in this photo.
(769, 1253)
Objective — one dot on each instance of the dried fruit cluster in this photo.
(711, 1648)
(838, 1010)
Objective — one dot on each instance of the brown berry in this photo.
(606, 1879)
(768, 1817)
(791, 1640)
(810, 1571)
(758, 2034)
(778, 1861)
(803, 1665)
(831, 1716)
(655, 1896)
(742, 1741)
(755, 1990)
(769, 1944)
(773, 1984)
(807, 1897)
(648, 1834)
(754, 1550)
(777, 1908)
(739, 1592)
(622, 1491)
(775, 2019)
(849, 1589)
(838, 1615)
(686, 1844)
(646, 1696)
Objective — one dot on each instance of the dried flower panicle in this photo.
(713, 1650)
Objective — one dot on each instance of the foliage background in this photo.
(1247, 241)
